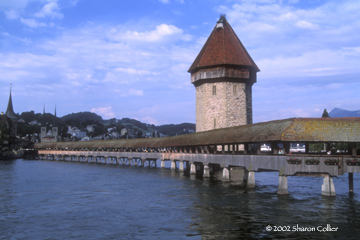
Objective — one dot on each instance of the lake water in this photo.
(67, 200)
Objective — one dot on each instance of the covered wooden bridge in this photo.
(265, 146)
(252, 136)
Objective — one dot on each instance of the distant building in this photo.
(34, 122)
(76, 133)
(91, 128)
(223, 74)
(188, 130)
(114, 135)
(123, 131)
(5, 128)
(86, 138)
(53, 134)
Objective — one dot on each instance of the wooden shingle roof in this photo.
(286, 130)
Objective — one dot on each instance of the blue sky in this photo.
(122, 58)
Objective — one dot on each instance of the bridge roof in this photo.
(286, 130)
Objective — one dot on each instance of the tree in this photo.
(139, 134)
(325, 114)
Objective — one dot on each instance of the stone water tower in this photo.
(223, 74)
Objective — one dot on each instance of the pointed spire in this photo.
(55, 123)
(43, 116)
(10, 110)
(223, 47)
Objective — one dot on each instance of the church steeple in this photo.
(55, 123)
(43, 117)
(55, 129)
(10, 110)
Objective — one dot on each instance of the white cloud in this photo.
(129, 92)
(32, 23)
(149, 120)
(133, 71)
(51, 10)
(163, 32)
(105, 112)
(311, 63)
(11, 14)
(306, 25)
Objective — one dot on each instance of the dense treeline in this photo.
(83, 119)
(175, 129)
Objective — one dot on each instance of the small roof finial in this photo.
(220, 23)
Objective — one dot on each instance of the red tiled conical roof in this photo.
(223, 47)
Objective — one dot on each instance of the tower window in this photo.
(214, 90)
(234, 89)
(214, 122)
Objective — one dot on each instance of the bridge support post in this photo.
(283, 185)
(173, 165)
(143, 162)
(251, 180)
(226, 174)
(351, 182)
(206, 173)
(238, 175)
(328, 188)
(181, 166)
(129, 161)
(192, 169)
(162, 163)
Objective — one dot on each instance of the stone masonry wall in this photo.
(228, 106)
